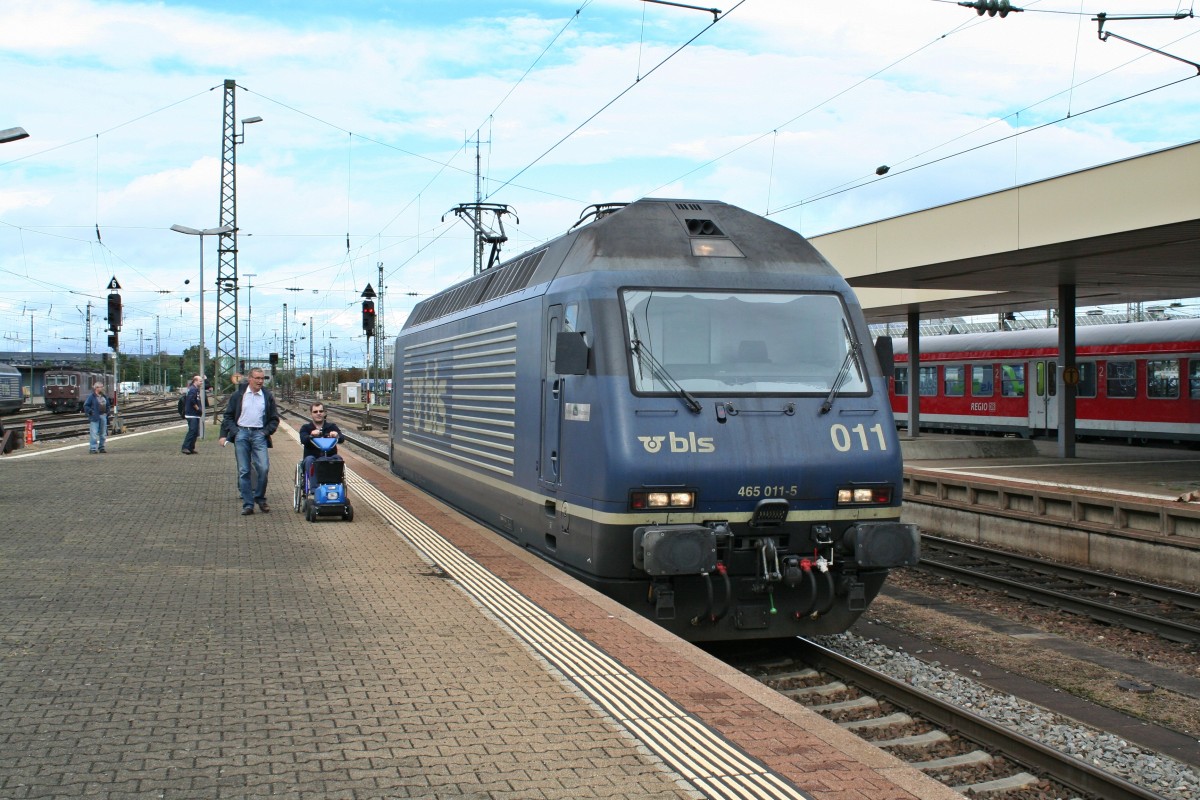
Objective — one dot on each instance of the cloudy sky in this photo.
(373, 112)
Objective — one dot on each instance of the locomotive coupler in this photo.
(768, 564)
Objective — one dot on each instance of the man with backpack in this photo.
(192, 411)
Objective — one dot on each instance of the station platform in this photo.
(1150, 472)
(1133, 510)
(156, 643)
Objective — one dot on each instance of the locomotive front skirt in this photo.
(674, 404)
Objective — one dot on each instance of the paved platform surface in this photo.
(155, 643)
(1149, 472)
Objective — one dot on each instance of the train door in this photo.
(552, 385)
(1043, 405)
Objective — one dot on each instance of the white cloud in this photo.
(787, 100)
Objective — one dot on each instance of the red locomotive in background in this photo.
(66, 389)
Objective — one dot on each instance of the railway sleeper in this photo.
(859, 703)
(971, 759)
(806, 674)
(1022, 780)
(895, 718)
(824, 690)
(916, 740)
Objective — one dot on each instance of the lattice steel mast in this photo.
(225, 357)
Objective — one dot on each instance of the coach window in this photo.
(981, 381)
(902, 381)
(1162, 379)
(1087, 379)
(952, 381)
(928, 381)
(1122, 379)
(1012, 380)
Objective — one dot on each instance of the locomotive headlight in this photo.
(864, 495)
(664, 500)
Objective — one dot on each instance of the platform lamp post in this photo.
(249, 276)
(200, 234)
(12, 135)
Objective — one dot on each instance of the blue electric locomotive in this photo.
(671, 402)
(11, 396)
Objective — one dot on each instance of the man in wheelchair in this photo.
(319, 428)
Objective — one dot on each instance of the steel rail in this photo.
(1068, 770)
(1064, 599)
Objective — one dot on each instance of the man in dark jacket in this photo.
(319, 428)
(192, 412)
(250, 419)
(97, 408)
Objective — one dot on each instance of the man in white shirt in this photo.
(250, 419)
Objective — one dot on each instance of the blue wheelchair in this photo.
(322, 491)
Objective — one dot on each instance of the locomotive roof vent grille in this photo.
(515, 277)
(689, 206)
(702, 227)
(496, 282)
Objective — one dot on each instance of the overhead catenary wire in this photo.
(893, 173)
(775, 130)
(101, 256)
(1070, 115)
(619, 95)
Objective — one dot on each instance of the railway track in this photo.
(1138, 605)
(964, 750)
(58, 426)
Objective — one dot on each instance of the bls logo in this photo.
(679, 444)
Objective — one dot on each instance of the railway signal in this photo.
(114, 306)
(992, 7)
(114, 312)
(368, 311)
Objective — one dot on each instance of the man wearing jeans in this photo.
(97, 409)
(250, 419)
(192, 412)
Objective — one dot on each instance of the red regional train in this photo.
(1138, 381)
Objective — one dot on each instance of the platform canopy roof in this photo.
(1123, 232)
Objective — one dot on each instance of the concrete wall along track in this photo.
(1114, 508)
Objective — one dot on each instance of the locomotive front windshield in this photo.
(741, 343)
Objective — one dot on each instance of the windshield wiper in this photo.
(660, 372)
(852, 356)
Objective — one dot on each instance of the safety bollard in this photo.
(30, 433)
